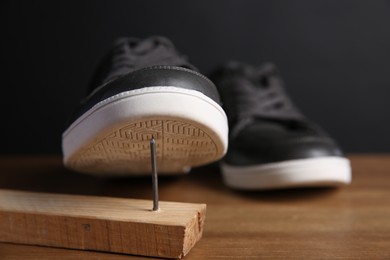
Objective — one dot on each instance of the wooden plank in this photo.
(100, 223)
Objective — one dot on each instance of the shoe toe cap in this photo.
(260, 145)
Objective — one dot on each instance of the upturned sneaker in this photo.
(144, 89)
(271, 144)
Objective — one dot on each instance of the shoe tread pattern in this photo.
(125, 149)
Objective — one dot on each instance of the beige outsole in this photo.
(125, 148)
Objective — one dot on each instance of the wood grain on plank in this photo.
(100, 223)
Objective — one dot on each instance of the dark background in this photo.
(333, 55)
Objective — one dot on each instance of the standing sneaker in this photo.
(145, 89)
(271, 144)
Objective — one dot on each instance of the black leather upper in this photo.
(149, 77)
(267, 141)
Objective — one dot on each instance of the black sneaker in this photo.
(145, 89)
(271, 144)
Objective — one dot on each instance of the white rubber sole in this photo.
(325, 171)
(112, 138)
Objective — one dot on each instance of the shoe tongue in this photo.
(149, 44)
(143, 47)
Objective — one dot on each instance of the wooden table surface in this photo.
(351, 222)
